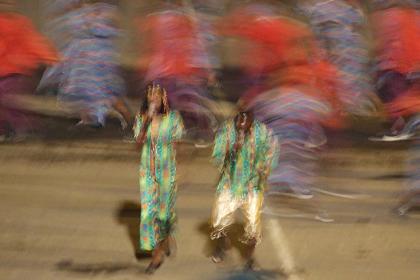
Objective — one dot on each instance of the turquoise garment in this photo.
(246, 173)
(158, 186)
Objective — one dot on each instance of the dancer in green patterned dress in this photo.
(157, 128)
(244, 151)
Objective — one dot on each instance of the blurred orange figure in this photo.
(397, 44)
(22, 48)
(22, 51)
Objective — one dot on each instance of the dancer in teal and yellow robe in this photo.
(244, 150)
(156, 130)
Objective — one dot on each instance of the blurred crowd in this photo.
(304, 67)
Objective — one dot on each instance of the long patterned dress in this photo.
(158, 186)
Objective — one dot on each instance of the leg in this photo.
(222, 217)
(167, 217)
(410, 197)
(149, 236)
(222, 244)
(157, 259)
(13, 121)
(121, 107)
(249, 255)
(149, 230)
(392, 85)
(407, 201)
(165, 220)
(149, 226)
(411, 125)
(252, 212)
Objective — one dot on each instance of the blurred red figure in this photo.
(22, 51)
(397, 44)
(176, 57)
(285, 52)
(172, 45)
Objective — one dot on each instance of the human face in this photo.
(155, 101)
(243, 121)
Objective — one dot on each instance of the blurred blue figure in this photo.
(89, 76)
(295, 117)
(338, 26)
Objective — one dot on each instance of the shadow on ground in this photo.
(128, 215)
(106, 268)
(235, 232)
(253, 275)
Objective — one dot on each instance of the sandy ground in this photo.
(69, 210)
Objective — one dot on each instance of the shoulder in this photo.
(174, 114)
(259, 125)
(227, 125)
(262, 128)
(139, 116)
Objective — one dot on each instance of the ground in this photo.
(69, 210)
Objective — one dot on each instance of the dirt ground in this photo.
(69, 210)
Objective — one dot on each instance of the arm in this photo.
(178, 128)
(268, 155)
(221, 147)
(272, 154)
(139, 130)
(137, 125)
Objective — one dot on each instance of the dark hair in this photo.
(248, 113)
(163, 107)
(236, 149)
